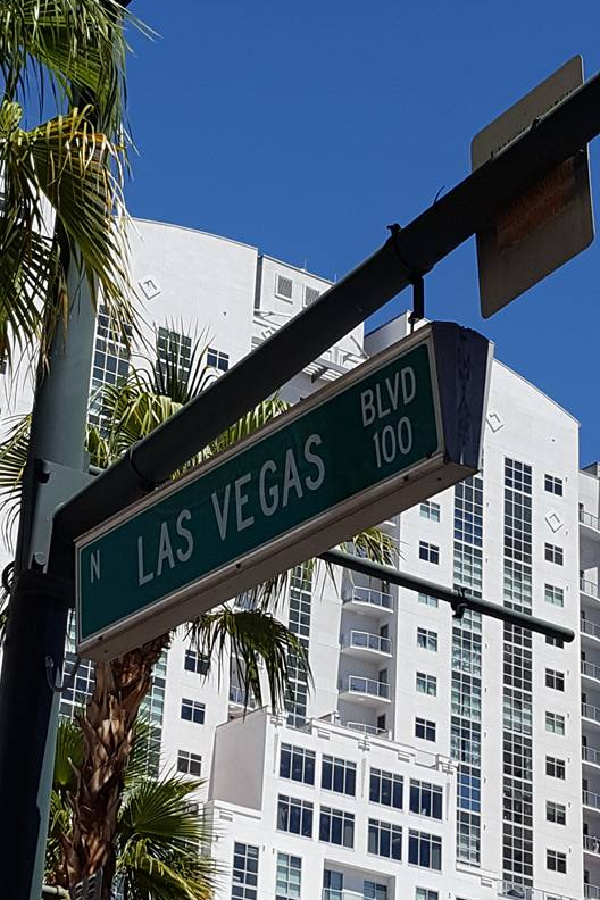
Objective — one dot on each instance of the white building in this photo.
(434, 758)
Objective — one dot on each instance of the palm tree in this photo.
(129, 411)
(160, 838)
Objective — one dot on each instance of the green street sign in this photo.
(401, 427)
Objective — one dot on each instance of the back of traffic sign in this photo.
(552, 221)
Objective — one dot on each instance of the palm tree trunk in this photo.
(108, 725)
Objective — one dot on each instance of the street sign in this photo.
(398, 429)
(552, 221)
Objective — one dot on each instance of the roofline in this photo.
(218, 237)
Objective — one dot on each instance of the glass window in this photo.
(245, 872)
(374, 891)
(429, 552)
(195, 662)
(555, 642)
(384, 839)
(426, 600)
(556, 861)
(556, 812)
(554, 595)
(295, 816)
(555, 767)
(336, 826)
(426, 640)
(555, 680)
(297, 763)
(553, 485)
(189, 763)
(429, 509)
(426, 799)
(555, 724)
(426, 894)
(193, 711)
(426, 684)
(217, 359)
(424, 849)
(553, 553)
(288, 878)
(283, 287)
(338, 775)
(425, 729)
(385, 788)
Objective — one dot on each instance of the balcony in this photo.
(591, 844)
(369, 601)
(520, 892)
(590, 588)
(590, 755)
(365, 690)
(236, 701)
(590, 713)
(590, 524)
(590, 629)
(591, 800)
(363, 728)
(591, 891)
(590, 671)
(333, 894)
(366, 645)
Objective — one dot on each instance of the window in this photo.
(385, 788)
(384, 839)
(189, 763)
(336, 827)
(556, 812)
(110, 364)
(555, 724)
(297, 763)
(193, 711)
(553, 554)
(555, 767)
(426, 684)
(555, 642)
(174, 355)
(374, 891)
(245, 872)
(553, 485)
(427, 640)
(425, 729)
(430, 510)
(426, 799)
(195, 662)
(426, 894)
(310, 295)
(295, 816)
(288, 877)
(555, 680)
(426, 600)
(429, 552)
(556, 861)
(217, 359)
(424, 849)
(283, 287)
(338, 775)
(554, 595)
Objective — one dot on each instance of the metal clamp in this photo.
(415, 277)
(458, 606)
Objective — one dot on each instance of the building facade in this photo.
(433, 757)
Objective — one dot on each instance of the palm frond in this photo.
(254, 636)
(13, 458)
(69, 754)
(79, 46)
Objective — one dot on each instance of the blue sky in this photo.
(305, 128)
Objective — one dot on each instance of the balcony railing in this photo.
(591, 799)
(359, 685)
(590, 712)
(590, 520)
(520, 892)
(590, 628)
(236, 695)
(589, 587)
(591, 843)
(590, 670)
(332, 894)
(591, 891)
(382, 599)
(364, 640)
(367, 729)
(589, 754)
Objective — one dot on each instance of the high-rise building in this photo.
(433, 757)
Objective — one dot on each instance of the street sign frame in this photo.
(551, 222)
(458, 362)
